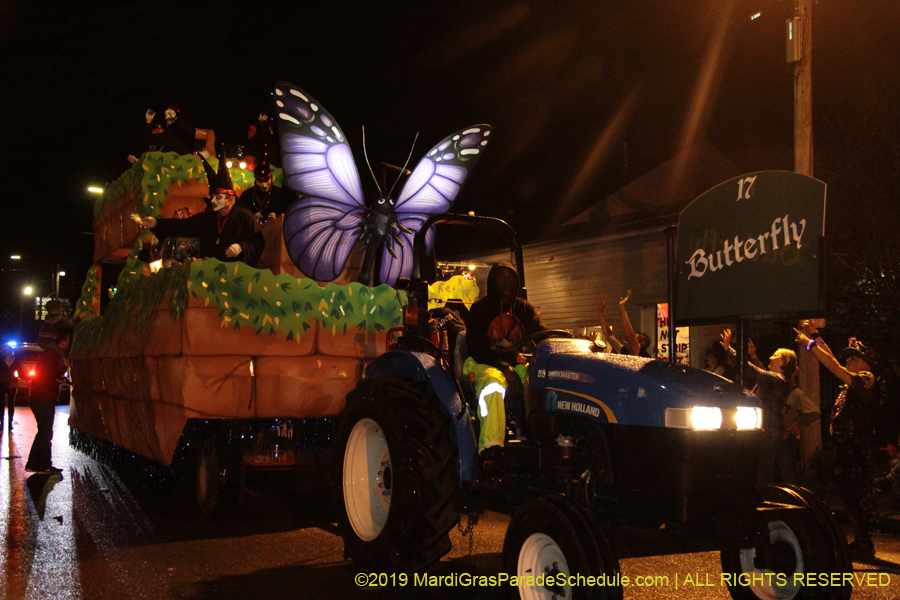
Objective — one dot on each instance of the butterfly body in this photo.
(380, 228)
(321, 228)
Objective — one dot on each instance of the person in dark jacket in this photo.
(265, 199)
(226, 232)
(493, 326)
(852, 429)
(9, 385)
(167, 134)
(49, 370)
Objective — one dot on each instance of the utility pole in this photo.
(803, 164)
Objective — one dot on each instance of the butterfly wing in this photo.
(431, 189)
(321, 228)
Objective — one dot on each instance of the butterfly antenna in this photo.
(403, 170)
(380, 193)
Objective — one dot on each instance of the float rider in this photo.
(493, 325)
(224, 231)
(265, 199)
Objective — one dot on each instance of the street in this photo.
(86, 534)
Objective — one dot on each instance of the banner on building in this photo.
(663, 342)
(750, 248)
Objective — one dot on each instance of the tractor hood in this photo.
(615, 388)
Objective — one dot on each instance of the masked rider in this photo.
(225, 231)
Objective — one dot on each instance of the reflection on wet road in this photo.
(87, 534)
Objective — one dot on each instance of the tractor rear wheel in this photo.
(399, 474)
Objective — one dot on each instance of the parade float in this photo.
(211, 367)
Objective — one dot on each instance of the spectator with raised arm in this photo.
(852, 428)
(636, 343)
(773, 388)
(611, 339)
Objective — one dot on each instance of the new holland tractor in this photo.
(608, 457)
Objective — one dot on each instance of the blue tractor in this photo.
(609, 457)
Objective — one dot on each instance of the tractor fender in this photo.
(419, 367)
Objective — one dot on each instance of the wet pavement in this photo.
(87, 534)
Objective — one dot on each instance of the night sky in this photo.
(566, 84)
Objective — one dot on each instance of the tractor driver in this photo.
(493, 326)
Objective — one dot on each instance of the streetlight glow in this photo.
(15, 257)
(27, 290)
(95, 190)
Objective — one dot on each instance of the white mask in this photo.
(218, 202)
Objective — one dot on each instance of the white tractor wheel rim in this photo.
(368, 479)
(779, 532)
(540, 555)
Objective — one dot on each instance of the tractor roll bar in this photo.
(420, 255)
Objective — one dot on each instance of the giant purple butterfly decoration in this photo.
(321, 229)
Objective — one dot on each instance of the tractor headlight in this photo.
(706, 417)
(713, 417)
(748, 417)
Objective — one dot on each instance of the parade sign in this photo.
(750, 249)
(682, 338)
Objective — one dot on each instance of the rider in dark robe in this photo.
(225, 232)
(265, 199)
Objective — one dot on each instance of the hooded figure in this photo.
(493, 326)
(500, 318)
(225, 231)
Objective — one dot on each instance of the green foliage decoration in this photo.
(255, 298)
(89, 291)
(127, 318)
(268, 303)
(455, 287)
(358, 307)
(156, 172)
(246, 297)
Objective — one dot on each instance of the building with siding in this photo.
(618, 244)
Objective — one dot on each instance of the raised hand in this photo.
(148, 222)
(725, 339)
